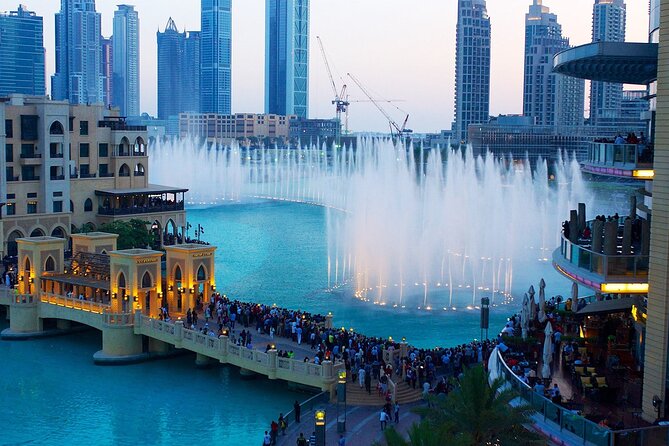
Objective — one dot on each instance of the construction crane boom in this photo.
(394, 127)
(340, 101)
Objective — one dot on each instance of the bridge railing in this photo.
(119, 318)
(74, 303)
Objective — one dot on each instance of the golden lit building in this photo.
(65, 166)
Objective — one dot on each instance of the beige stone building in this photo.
(225, 128)
(65, 166)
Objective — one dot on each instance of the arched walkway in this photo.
(12, 247)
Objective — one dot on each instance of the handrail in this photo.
(393, 389)
(74, 303)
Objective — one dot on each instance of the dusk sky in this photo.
(399, 49)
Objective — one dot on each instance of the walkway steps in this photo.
(355, 396)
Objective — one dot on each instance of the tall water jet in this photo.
(403, 230)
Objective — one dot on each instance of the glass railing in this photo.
(620, 155)
(629, 266)
(566, 419)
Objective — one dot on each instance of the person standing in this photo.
(267, 440)
(342, 441)
(301, 441)
(361, 377)
(296, 408)
(396, 411)
(383, 418)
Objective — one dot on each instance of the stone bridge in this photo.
(124, 337)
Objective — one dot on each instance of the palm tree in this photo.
(476, 413)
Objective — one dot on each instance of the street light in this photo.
(319, 419)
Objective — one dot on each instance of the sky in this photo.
(398, 49)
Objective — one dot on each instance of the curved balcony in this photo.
(618, 62)
(633, 161)
(625, 272)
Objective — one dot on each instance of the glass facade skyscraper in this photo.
(472, 67)
(78, 77)
(178, 71)
(549, 99)
(21, 53)
(608, 25)
(216, 57)
(287, 57)
(125, 84)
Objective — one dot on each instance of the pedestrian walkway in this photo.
(362, 425)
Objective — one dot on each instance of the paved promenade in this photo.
(362, 425)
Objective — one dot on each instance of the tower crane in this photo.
(395, 129)
(340, 100)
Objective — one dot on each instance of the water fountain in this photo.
(404, 227)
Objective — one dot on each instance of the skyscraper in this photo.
(549, 99)
(608, 25)
(125, 85)
(178, 71)
(216, 57)
(21, 53)
(171, 45)
(287, 57)
(191, 73)
(78, 77)
(107, 70)
(472, 67)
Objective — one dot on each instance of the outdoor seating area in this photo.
(580, 361)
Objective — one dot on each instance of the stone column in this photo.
(328, 321)
(610, 237)
(573, 226)
(597, 234)
(271, 371)
(225, 340)
(178, 333)
(627, 237)
(404, 349)
(657, 343)
(581, 218)
(632, 212)
(328, 378)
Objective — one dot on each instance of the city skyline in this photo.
(388, 63)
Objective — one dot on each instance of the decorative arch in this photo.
(140, 145)
(56, 128)
(37, 232)
(120, 280)
(50, 264)
(201, 274)
(88, 205)
(147, 280)
(124, 147)
(124, 171)
(59, 232)
(12, 247)
(139, 170)
(71, 206)
(26, 265)
(177, 273)
(104, 251)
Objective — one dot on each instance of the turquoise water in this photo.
(52, 394)
(275, 252)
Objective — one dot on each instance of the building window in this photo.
(84, 170)
(57, 194)
(83, 128)
(88, 205)
(103, 169)
(10, 209)
(9, 128)
(103, 150)
(27, 150)
(58, 206)
(9, 173)
(31, 195)
(84, 150)
(71, 127)
(29, 127)
(9, 153)
(32, 207)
